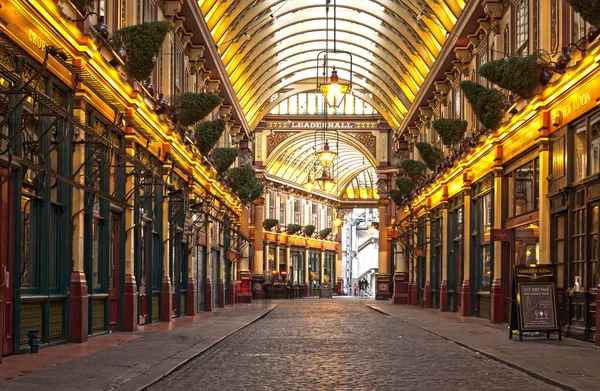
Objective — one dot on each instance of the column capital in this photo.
(383, 202)
(259, 202)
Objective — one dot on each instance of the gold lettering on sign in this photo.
(517, 144)
(571, 107)
(37, 40)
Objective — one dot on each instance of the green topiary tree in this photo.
(293, 228)
(244, 183)
(518, 74)
(268, 224)
(309, 230)
(588, 9)
(82, 4)
(142, 43)
(414, 169)
(208, 133)
(224, 158)
(487, 103)
(325, 233)
(192, 107)
(451, 131)
(432, 156)
(405, 189)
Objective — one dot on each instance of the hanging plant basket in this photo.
(518, 74)
(269, 224)
(431, 155)
(244, 183)
(414, 169)
(142, 43)
(588, 9)
(192, 107)
(451, 131)
(324, 233)
(224, 158)
(293, 228)
(487, 103)
(309, 230)
(208, 133)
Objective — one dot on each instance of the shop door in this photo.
(6, 254)
(143, 275)
(114, 270)
(458, 269)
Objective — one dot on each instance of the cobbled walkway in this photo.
(341, 345)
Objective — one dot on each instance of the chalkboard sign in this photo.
(534, 301)
(326, 291)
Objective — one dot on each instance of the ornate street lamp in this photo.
(309, 185)
(326, 156)
(326, 182)
(334, 91)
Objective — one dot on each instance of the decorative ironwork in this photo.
(367, 139)
(55, 324)
(276, 138)
(31, 319)
(98, 316)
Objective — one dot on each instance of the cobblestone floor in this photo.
(341, 345)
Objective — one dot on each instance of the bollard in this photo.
(34, 340)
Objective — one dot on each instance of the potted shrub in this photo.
(269, 224)
(309, 230)
(224, 158)
(487, 103)
(293, 228)
(192, 107)
(244, 183)
(451, 131)
(414, 169)
(405, 189)
(324, 233)
(518, 74)
(431, 155)
(588, 9)
(208, 133)
(142, 43)
(82, 4)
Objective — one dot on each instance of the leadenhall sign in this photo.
(319, 125)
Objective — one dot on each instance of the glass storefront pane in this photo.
(526, 184)
(527, 245)
(486, 271)
(486, 205)
(594, 154)
(580, 152)
(95, 253)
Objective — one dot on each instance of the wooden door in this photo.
(113, 270)
(6, 254)
(143, 275)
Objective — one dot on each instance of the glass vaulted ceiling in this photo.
(269, 49)
(271, 45)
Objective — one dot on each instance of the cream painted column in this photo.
(78, 289)
(322, 271)
(401, 276)
(428, 262)
(306, 273)
(245, 275)
(130, 305)
(166, 313)
(258, 277)
(382, 290)
(544, 202)
(209, 265)
(339, 283)
(497, 295)
(465, 289)
(444, 285)
(288, 256)
(277, 260)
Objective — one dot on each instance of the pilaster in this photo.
(382, 291)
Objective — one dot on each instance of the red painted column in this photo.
(444, 296)
(465, 299)
(428, 294)
(166, 311)
(400, 289)
(382, 290)
(208, 298)
(258, 277)
(190, 298)
(497, 302)
(222, 294)
(78, 308)
(130, 305)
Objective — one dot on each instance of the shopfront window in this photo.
(586, 144)
(486, 212)
(523, 189)
(527, 245)
(578, 28)
(594, 154)
(578, 240)
(580, 151)
(594, 249)
(486, 271)
(522, 26)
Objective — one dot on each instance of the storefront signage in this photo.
(572, 107)
(37, 41)
(419, 252)
(534, 300)
(521, 220)
(501, 235)
(326, 291)
(520, 142)
(319, 125)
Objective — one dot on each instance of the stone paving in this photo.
(341, 345)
